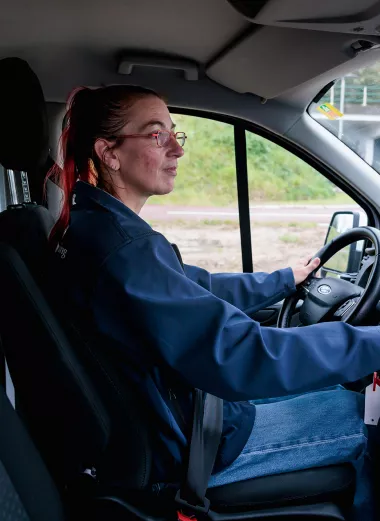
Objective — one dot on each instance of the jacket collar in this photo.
(86, 193)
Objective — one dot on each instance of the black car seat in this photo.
(86, 421)
(27, 492)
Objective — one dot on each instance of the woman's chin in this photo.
(166, 188)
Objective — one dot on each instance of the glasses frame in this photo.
(156, 135)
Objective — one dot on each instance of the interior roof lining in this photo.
(62, 65)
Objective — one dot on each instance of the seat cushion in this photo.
(334, 484)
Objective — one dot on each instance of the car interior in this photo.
(76, 445)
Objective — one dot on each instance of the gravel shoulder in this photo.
(216, 247)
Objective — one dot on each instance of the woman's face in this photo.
(146, 169)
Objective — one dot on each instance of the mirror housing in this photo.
(349, 258)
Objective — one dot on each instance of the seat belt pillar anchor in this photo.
(202, 509)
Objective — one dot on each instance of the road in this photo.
(320, 214)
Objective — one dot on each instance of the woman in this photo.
(171, 328)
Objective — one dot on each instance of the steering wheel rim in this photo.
(368, 298)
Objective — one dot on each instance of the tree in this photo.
(367, 75)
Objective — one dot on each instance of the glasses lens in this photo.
(181, 138)
(163, 138)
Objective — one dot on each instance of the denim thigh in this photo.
(303, 431)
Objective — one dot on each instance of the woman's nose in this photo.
(175, 147)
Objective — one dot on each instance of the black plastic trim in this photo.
(323, 91)
(2, 366)
(248, 8)
(243, 197)
(119, 509)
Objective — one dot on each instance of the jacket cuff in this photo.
(289, 282)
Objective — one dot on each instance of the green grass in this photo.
(284, 224)
(207, 177)
(183, 197)
(201, 223)
(217, 222)
(302, 225)
(289, 239)
(336, 199)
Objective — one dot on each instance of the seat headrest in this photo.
(23, 119)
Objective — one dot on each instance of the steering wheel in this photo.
(328, 298)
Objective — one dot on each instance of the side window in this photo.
(201, 214)
(291, 205)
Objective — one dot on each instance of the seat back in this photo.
(79, 413)
(27, 492)
(54, 396)
(76, 424)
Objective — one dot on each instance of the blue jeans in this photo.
(304, 431)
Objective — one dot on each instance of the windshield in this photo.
(350, 109)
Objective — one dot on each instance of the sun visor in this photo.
(340, 16)
(272, 60)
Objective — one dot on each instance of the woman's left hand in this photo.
(304, 268)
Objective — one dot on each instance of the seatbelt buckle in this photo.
(187, 507)
(376, 381)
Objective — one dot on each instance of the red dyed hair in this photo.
(92, 114)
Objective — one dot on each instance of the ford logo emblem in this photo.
(324, 289)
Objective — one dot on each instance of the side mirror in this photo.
(347, 260)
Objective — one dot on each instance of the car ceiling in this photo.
(253, 58)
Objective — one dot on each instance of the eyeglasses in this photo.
(162, 137)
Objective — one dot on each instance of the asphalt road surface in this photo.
(320, 214)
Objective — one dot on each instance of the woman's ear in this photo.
(107, 154)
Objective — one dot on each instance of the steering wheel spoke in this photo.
(346, 308)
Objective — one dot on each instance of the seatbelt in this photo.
(203, 448)
(205, 438)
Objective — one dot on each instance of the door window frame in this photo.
(240, 127)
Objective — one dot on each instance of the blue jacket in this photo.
(171, 328)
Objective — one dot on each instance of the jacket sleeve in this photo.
(143, 299)
(247, 291)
